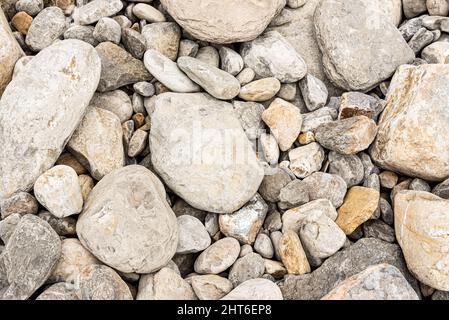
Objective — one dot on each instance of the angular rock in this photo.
(273, 183)
(321, 185)
(107, 29)
(134, 42)
(210, 287)
(59, 291)
(21, 203)
(49, 116)
(231, 61)
(270, 148)
(233, 21)
(396, 146)
(314, 92)
(379, 229)
(358, 104)
(292, 254)
(127, 223)
(349, 167)
(437, 52)
(313, 120)
(83, 33)
(293, 194)
(48, 26)
(193, 236)
(306, 160)
(63, 227)
(97, 142)
(218, 257)
(251, 266)
(163, 37)
(250, 116)
(200, 176)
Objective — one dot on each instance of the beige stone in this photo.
(87, 184)
(422, 224)
(260, 90)
(292, 254)
(358, 207)
(388, 179)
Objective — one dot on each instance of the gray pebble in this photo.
(134, 42)
(350, 168)
(251, 266)
(46, 27)
(107, 29)
(264, 246)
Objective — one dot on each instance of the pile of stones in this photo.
(209, 149)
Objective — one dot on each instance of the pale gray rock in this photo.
(201, 184)
(138, 143)
(293, 194)
(306, 160)
(46, 27)
(209, 55)
(32, 7)
(187, 48)
(437, 52)
(410, 27)
(210, 286)
(231, 61)
(413, 8)
(43, 120)
(218, 257)
(118, 67)
(117, 101)
(22, 203)
(183, 208)
(251, 266)
(59, 291)
(211, 224)
(8, 225)
(326, 186)
(193, 236)
(359, 104)
(233, 21)
(145, 89)
(437, 7)
(314, 92)
(420, 40)
(148, 13)
(340, 24)
(288, 91)
(250, 116)
(273, 183)
(379, 282)
(216, 82)
(245, 249)
(163, 37)
(349, 167)
(59, 191)
(245, 223)
(98, 282)
(88, 143)
(95, 10)
(311, 121)
(107, 29)
(127, 223)
(263, 245)
(83, 33)
(168, 73)
(395, 147)
(255, 289)
(271, 55)
(270, 148)
(134, 42)
(246, 76)
(273, 221)
(30, 255)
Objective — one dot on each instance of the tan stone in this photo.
(388, 179)
(358, 207)
(292, 254)
(306, 138)
(68, 159)
(22, 22)
(87, 184)
(275, 268)
(285, 121)
(422, 228)
(260, 90)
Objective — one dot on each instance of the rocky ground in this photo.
(211, 149)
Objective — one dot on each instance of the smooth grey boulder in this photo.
(35, 124)
(127, 223)
(192, 140)
(360, 46)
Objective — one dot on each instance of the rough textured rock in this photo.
(273, 183)
(349, 167)
(250, 116)
(59, 291)
(116, 101)
(43, 120)
(46, 27)
(163, 37)
(354, 259)
(10, 52)
(29, 257)
(250, 266)
(233, 21)
(193, 236)
(375, 45)
(380, 282)
(118, 67)
(292, 254)
(63, 227)
(21, 203)
(210, 286)
(306, 160)
(325, 186)
(407, 123)
(260, 90)
(127, 223)
(88, 142)
(218, 257)
(255, 289)
(97, 9)
(200, 177)
(271, 55)
(420, 223)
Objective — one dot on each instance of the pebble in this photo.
(321, 185)
(63, 227)
(260, 90)
(209, 55)
(388, 179)
(8, 225)
(210, 286)
(306, 160)
(31, 7)
(313, 120)
(273, 183)
(263, 245)
(246, 76)
(250, 266)
(193, 236)
(275, 269)
(293, 194)
(436, 53)
(46, 27)
(250, 116)
(218, 257)
(284, 120)
(349, 167)
(59, 291)
(378, 229)
(66, 159)
(87, 184)
(354, 104)
(255, 289)
(187, 48)
(107, 29)
(292, 254)
(116, 101)
(245, 223)
(134, 42)
(88, 147)
(270, 148)
(216, 82)
(271, 55)
(59, 191)
(231, 61)
(95, 10)
(163, 37)
(22, 22)
(123, 231)
(21, 202)
(146, 12)
(314, 92)
(83, 33)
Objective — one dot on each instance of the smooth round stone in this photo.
(193, 236)
(59, 191)
(60, 291)
(148, 13)
(107, 29)
(95, 10)
(218, 257)
(210, 286)
(251, 266)
(224, 22)
(260, 90)
(231, 61)
(127, 223)
(255, 289)
(70, 72)
(47, 26)
(117, 101)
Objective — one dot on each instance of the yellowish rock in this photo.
(275, 268)
(292, 254)
(422, 231)
(68, 159)
(260, 90)
(87, 184)
(359, 206)
(22, 22)
(306, 138)
(285, 121)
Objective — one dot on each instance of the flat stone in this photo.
(348, 136)
(306, 160)
(260, 90)
(21, 203)
(250, 266)
(199, 178)
(46, 27)
(313, 120)
(95, 10)
(127, 223)
(245, 223)
(210, 286)
(271, 55)
(359, 206)
(117, 101)
(118, 67)
(30, 255)
(420, 223)
(59, 191)
(255, 289)
(233, 21)
(417, 146)
(148, 13)
(380, 282)
(321, 185)
(340, 24)
(193, 236)
(88, 143)
(413, 8)
(49, 116)
(292, 254)
(168, 73)
(218, 257)
(216, 82)
(250, 116)
(163, 37)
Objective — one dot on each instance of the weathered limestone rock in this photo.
(218, 257)
(255, 289)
